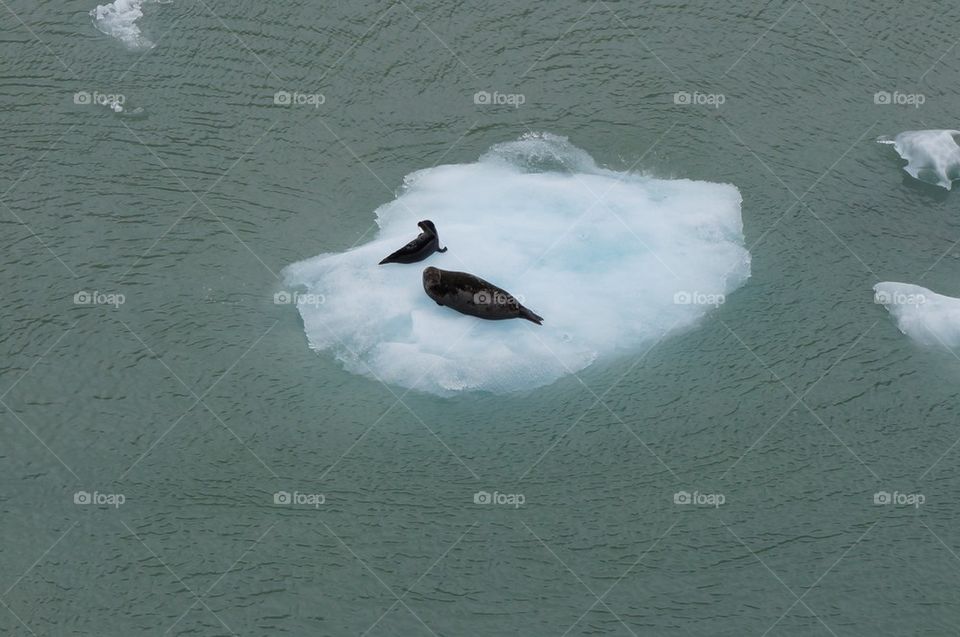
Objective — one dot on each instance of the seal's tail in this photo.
(530, 316)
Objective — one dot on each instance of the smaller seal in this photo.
(426, 243)
(472, 295)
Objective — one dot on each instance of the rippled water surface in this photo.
(190, 409)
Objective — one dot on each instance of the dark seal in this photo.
(472, 295)
(426, 243)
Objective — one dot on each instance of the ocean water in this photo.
(178, 460)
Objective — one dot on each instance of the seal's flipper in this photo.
(530, 316)
(441, 249)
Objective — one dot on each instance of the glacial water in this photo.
(221, 417)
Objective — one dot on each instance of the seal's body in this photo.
(472, 295)
(426, 243)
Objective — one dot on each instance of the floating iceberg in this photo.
(927, 317)
(932, 156)
(613, 261)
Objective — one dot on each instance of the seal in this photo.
(472, 295)
(426, 243)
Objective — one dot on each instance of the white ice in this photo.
(613, 261)
(932, 156)
(927, 317)
(119, 20)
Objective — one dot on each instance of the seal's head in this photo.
(431, 277)
(427, 226)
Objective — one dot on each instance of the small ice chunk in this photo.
(925, 316)
(933, 156)
(119, 20)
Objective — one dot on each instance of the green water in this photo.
(197, 399)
